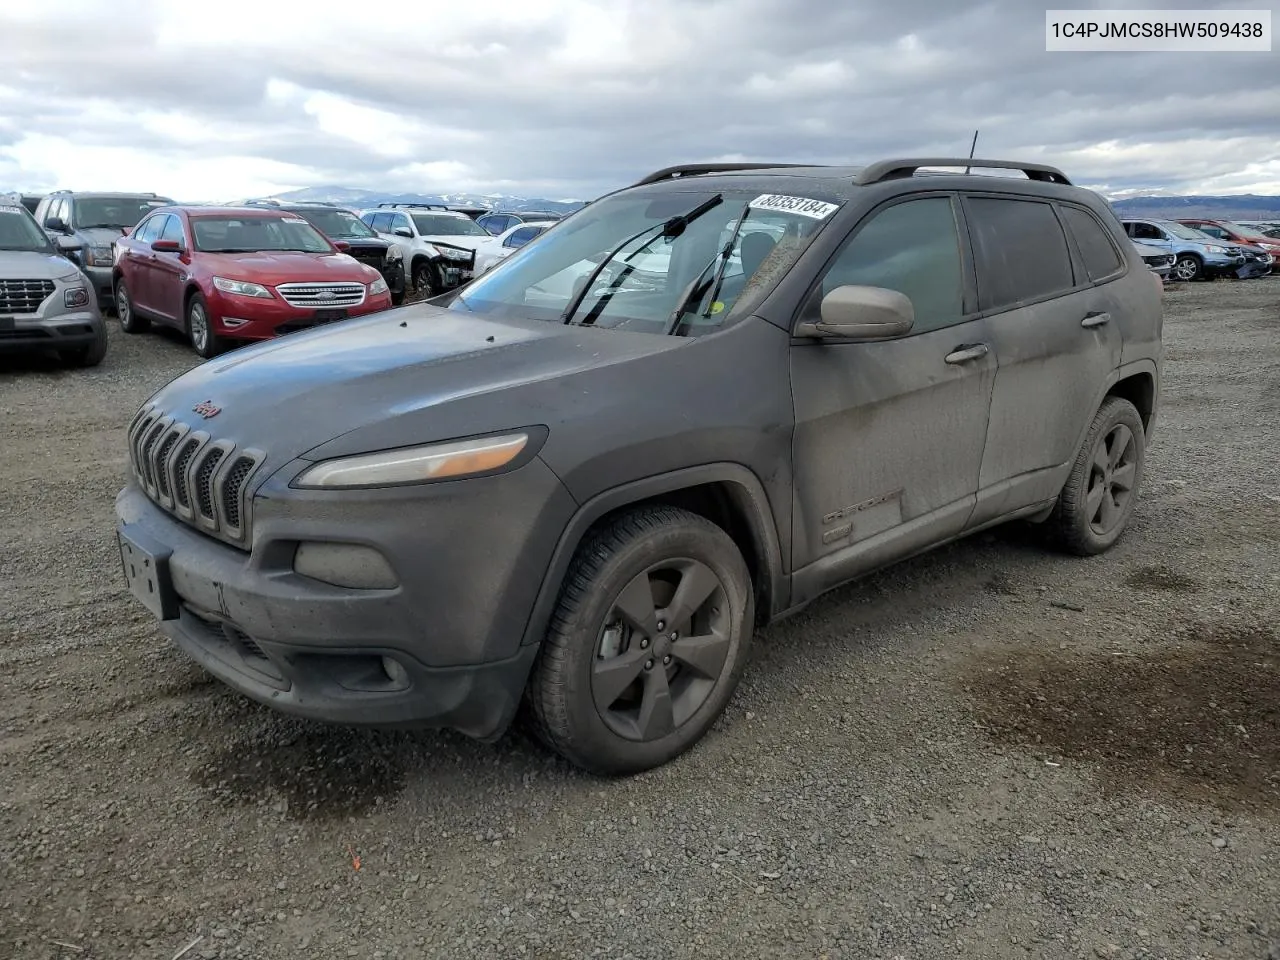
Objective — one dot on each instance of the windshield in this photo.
(115, 212)
(19, 232)
(433, 225)
(1242, 230)
(338, 224)
(1186, 233)
(256, 234)
(647, 283)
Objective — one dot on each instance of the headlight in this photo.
(76, 297)
(454, 254)
(395, 253)
(98, 256)
(1216, 249)
(434, 461)
(378, 286)
(242, 288)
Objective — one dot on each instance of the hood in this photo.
(263, 266)
(21, 265)
(1149, 248)
(467, 243)
(400, 377)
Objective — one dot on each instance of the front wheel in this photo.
(426, 279)
(1188, 268)
(200, 329)
(647, 643)
(1098, 498)
(89, 355)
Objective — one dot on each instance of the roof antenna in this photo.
(973, 146)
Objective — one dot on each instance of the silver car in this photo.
(45, 300)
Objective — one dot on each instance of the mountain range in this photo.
(1244, 207)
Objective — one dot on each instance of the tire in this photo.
(130, 322)
(199, 327)
(1107, 459)
(569, 680)
(426, 279)
(89, 355)
(1188, 267)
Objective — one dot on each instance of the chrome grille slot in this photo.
(321, 296)
(23, 296)
(201, 481)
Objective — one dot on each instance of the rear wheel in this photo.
(200, 329)
(1102, 488)
(130, 322)
(647, 643)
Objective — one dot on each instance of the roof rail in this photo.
(883, 170)
(691, 169)
(418, 206)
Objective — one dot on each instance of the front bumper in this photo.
(65, 331)
(469, 558)
(255, 318)
(100, 278)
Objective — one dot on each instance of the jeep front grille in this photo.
(23, 296)
(320, 296)
(199, 479)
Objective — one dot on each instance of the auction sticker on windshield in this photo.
(804, 206)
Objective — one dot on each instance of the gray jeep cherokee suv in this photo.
(581, 481)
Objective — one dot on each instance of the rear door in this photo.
(888, 434)
(136, 258)
(1045, 274)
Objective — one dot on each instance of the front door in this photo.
(889, 435)
(168, 272)
(1054, 324)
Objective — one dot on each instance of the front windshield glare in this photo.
(654, 283)
(18, 232)
(255, 234)
(339, 223)
(430, 225)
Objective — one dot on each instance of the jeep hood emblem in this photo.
(206, 409)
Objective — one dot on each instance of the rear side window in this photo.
(1101, 259)
(912, 247)
(1020, 249)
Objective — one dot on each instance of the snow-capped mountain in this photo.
(357, 197)
(1244, 207)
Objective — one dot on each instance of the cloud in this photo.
(575, 97)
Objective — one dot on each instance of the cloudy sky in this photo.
(569, 98)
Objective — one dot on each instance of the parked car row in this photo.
(1205, 249)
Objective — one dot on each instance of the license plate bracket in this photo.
(329, 316)
(147, 573)
(8, 323)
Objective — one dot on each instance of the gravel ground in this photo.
(991, 751)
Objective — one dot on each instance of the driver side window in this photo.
(912, 247)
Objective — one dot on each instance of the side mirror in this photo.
(68, 245)
(342, 246)
(403, 232)
(166, 246)
(55, 223)
(861, 313)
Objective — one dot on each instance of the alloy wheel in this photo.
(199, 323)
(1111, 479)
(661, 650)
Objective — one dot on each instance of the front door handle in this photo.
(965, 354)
(1095, 319)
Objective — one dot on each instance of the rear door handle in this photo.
(965, 354)
(1095, 319)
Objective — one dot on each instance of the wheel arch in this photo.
(727, 494)
(1137, 382)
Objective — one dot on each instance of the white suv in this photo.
(438, 244)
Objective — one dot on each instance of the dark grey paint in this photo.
(807, 438)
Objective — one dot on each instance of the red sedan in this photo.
(225, 274)
(1235, 233)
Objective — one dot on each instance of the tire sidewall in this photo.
(706, 544)
(1113, 413)
(132, 325)
(211, 340)
(1199, 269)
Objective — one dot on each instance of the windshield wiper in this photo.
(670, 229)
(102, 226)
(693, 293)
